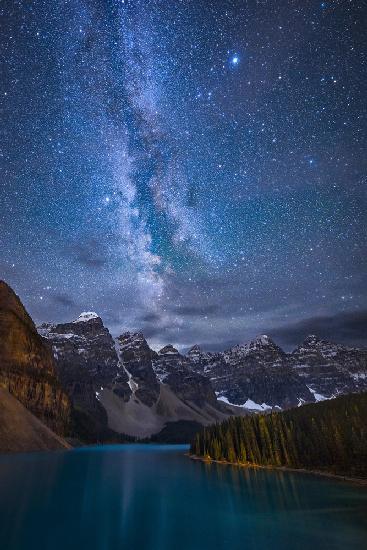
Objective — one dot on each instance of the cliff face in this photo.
(175, 370)
(27, 367)
(87, 363)
(330, 369)
(256, 376)
(21, 431)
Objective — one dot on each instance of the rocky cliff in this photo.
(330, 369)
(21, 431)
(254, 376)
(27, 368)
(123, 385)
(163, 389)
(132, 389)
(87, 362)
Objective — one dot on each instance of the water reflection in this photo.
(154, 497)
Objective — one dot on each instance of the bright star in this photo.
(235, 60)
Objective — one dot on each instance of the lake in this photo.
(154, 497)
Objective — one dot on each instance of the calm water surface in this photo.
(153, 497)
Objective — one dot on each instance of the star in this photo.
(202, 143)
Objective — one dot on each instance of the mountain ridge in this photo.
(121, 387)
(246, 378)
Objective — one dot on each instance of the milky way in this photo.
(193, 169)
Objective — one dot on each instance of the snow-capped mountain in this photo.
(330, 369)
(136, 389)
(84, 343)
(260, 375)
(255, 376)
(139, 390)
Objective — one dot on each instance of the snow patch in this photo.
(250, 405)
(161, 376)
(318, 396)
(86, 316)
(255, 406)
(359, 376)
(131, 382)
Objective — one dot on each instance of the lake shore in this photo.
(354, 480)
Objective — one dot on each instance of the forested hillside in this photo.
(329, 436)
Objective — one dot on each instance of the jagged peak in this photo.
(86, 316)
(312, 339)
(132, 334)
(260, 342)
(264, 339)
(129, 340)
(168, 350)
(131, 337)
(195, 350)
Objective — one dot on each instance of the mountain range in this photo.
(81, 382)
(141, 390)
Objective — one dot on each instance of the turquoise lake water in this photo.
(154, 497)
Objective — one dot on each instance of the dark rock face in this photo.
(87, 344)
(147, 370)
(136, 362)
(257, 375)
(175, 370)
(262, 373)
(168, 361)
(330, 369)
(86, 361)
(27, 368)
(21, 431)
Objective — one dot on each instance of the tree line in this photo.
(328, 436)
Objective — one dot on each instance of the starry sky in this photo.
(195, 169)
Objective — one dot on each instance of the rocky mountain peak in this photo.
(262, 345)
(194, 352)
(168, 350)
(264, 340)
(311, 340)
(314, 344)
(87, 316)
(136, 358)
(132, 341)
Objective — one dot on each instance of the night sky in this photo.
(195, 169)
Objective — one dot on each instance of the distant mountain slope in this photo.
(124, 386)
(86, 362)
(261, 376)
(330, 369)
(163, 390)
(330, 436)
(21, 431)
(27, 368)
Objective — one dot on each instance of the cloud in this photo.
(91, 253)
(195, 311)
(150, 318)
(344, 327)
(64, 300)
